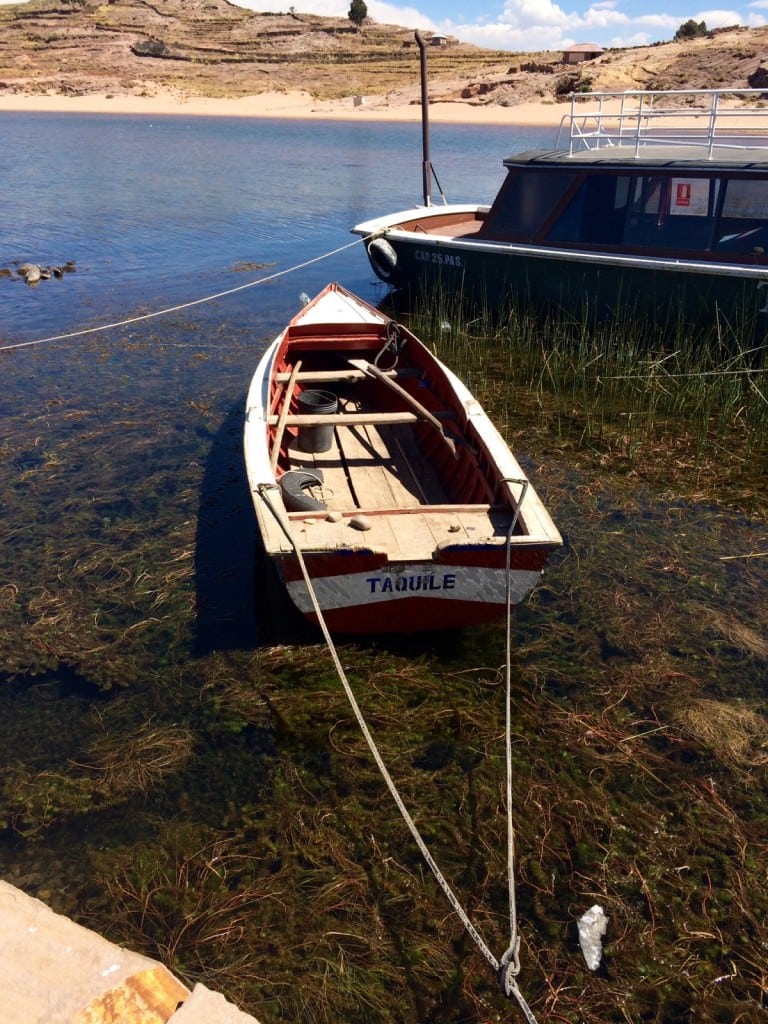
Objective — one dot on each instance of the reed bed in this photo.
(621, 389)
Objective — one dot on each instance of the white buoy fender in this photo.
(383, 259)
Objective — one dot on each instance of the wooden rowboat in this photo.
(384, 494)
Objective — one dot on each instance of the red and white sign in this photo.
(683, 195)
(689, 197)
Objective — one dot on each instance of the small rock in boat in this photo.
(360, 523)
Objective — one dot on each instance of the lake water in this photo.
(128, 540)
(156, 212)
(170, 781)
(161, 215)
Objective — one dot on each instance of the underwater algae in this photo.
(210, 801)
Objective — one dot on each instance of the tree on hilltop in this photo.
(358, 12)
(690, 30)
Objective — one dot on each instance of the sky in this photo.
(527, 25)
(542, 24)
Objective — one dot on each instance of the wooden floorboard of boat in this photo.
(380, 476)
(335, 491)
(372, 467)
(408, 463)
(391, 482)
(456, 229)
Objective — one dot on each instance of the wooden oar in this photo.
(278, 439)
(415, 404)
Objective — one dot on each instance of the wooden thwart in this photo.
(342, 376)
(345, 419)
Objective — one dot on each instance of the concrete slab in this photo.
(209, 1007)
(53, 971)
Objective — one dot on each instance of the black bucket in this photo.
(316, 437)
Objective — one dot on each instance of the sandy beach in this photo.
(286, 105)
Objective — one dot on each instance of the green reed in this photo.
(620, 389)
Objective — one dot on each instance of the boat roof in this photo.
(685, 157)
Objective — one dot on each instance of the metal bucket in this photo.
(316, 437)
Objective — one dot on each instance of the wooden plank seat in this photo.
(420, 510)
(347, 419)
(342, 419)
(343, 376)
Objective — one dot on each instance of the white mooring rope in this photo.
(181, 306)
(508, 967)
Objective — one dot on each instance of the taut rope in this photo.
(508, 967)
(183, 305)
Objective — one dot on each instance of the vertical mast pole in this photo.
(426, 166)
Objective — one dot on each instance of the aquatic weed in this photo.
(268, 860)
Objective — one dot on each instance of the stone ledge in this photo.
(54, 971)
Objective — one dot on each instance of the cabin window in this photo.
(693, 197)
(743, 220)
(746, 199)
(596, 213)
(675, 213)
(525, 203)
(645, 218)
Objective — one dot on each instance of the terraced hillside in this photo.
(208, 47)
(212, 48)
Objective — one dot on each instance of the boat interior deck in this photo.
(372, 467)
(376, 472)
(465, 227)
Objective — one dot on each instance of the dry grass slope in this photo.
(212, 48)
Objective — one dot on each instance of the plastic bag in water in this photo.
(592, 928)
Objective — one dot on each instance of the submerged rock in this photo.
(30, 272)
(33, 272)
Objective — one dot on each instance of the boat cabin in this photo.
(649, 202)
(681, 173)
(672, 204)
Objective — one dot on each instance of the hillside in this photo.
(212, 48)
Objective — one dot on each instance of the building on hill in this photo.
(581, 51)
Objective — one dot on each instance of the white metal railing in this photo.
(708, 118)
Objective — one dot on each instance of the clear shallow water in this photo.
(156, 212)
(131, 613)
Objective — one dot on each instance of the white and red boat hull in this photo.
(371, 596)
(415, 505)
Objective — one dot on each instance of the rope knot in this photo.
(393, 345)
(508, 972)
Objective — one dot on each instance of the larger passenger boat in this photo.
(653, 204)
